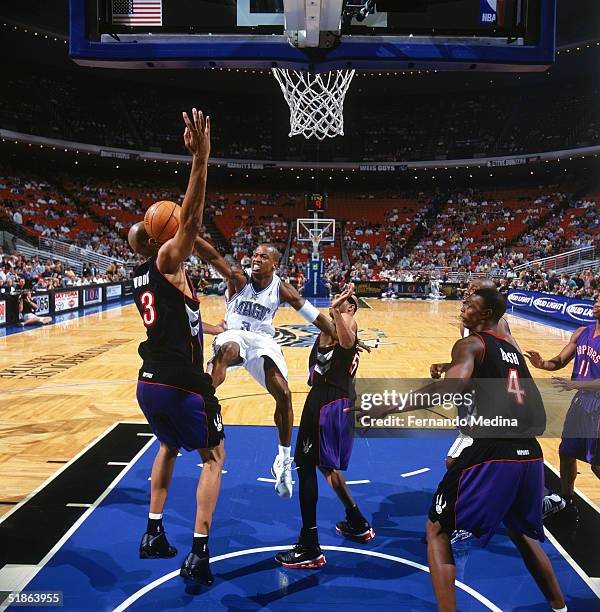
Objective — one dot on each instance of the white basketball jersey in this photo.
(252, 310)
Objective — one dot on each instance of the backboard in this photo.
(395, 35)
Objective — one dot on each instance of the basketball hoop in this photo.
(316, 101)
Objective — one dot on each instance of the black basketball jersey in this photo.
(333, 365)
(172, 319)
(504, 388)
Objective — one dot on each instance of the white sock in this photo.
(285, 452)
(560, 609)
(200, 535)
(154, 515)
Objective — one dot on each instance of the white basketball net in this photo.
(316, 101)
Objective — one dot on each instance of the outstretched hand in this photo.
(563, 384)
(342, 297)
(535, 358)
(196, 135)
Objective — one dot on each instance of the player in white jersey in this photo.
(253, 298)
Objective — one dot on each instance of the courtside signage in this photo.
(571, 310)
(113, 292)
(66, 300)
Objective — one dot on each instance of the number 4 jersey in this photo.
(507, 400)
(172, 319)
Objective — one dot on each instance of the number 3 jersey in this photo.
(253, 310)
(172, 319)
(507, 400)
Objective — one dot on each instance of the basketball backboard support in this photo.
(490, 35)
(315, 231)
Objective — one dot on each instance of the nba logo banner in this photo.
(488, 13)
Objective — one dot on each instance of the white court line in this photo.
(58, 472)
(81, 519)
(421, 471)
(369, 553)
(589, 581)
(118, 463)
(271, 480)
(578, 491)
(73, 505)
(357, 482)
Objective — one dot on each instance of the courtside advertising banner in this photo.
(569, 310)
(113, 292)
(92, 295)
(2, 312)
(66, 300)
(43, 303)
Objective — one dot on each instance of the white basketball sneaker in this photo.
(282, 472)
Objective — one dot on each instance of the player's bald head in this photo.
(481, 283)
(491, 300)
(139, 241)
(274, 254)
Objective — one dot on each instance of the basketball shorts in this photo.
(326, 432)
(180, 406)
(493, 482)
(581, 430)
(254, 347)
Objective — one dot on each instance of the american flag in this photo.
(137, 12)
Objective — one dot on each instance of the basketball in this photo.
(161, 220)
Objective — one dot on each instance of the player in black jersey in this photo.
(173, 391)
(500, 478)
(325, 436)
(464, 439)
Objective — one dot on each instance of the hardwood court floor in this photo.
(63, 385)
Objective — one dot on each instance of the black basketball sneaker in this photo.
(302, 557)
(197, 569)
(156, 547)
(360, 531)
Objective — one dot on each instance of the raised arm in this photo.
(465, 354)
(561, 360)
(309, 313)
(210, 255)
(345, 325)
(175, 251)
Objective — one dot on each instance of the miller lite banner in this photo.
(569, 310)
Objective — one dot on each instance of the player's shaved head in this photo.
(139, 241)
(483, 283)
(491, 299)
(480, 283)
(273, 252)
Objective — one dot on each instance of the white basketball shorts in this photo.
(254, 347)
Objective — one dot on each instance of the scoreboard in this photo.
(316, 202)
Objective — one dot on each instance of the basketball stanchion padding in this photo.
(316, 101)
